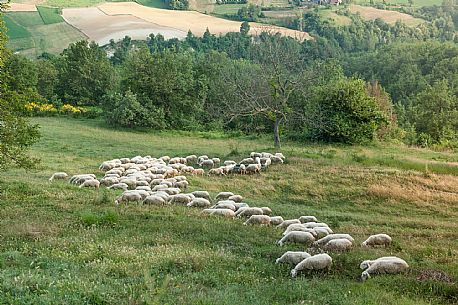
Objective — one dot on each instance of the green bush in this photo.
(343, 112)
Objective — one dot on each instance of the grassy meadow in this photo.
(49, 15)
(64, 245)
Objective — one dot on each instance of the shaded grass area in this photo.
(15, 30)
(152, 3)
(62, 244)
(50, 15)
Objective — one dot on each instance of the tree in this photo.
(16, 134)
(245, 28)
(344, 112)
(265, 88)
(85, 74)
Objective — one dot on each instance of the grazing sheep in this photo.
(128, 196)
(143, 188)
(118, 186)
(239, 205)
(247, 161)
(172, 191)
(207, 164)
(78, 179)
(299, 237)
(219, 212)
(160, 187)
(198, 172)
(216, 161)
(181, 184)
(229, 162)
(313, 224)
(316, 262)
(141, 183)
(90, 183)
(304, 219)
(199, 203)
(266, 210)
(385, 266)
(58, 176)
(216, 171)
(276, 160)
(339, 244)
(367, 263)
(248, 212)
(226, 204)
(276, 220)
(191, 159)
(201, 194)
(255, 155)
(107, 181)
(258, 220)
(164, 158)
(236, 198)
(322, 231)
(292, 257)
(280, 155)
(155, 200)
(202, 158)
(287, 223)
(224, 195)
(253, 168)
(181, 199)
(298, 227)
(323, 241)
(377, 240)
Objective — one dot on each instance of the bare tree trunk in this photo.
(277, 132)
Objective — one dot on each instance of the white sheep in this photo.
(226, 204)
(266, 210)
(128, 196)
(377, 240)
(118, 186)
(207, 164)
(191, 159)
(248, 212)
(198, 172)
(154, 200)
(181, 199)
(58, 176)
(299, 237)
(181, 184)
(385, 266)
(258, 220)
(90, 183)
(247, 161)
(143, 188)
(199, 203)
(322, 231)
(316, 262)
(107, 181)
(313, 224)
(219, 212)
(287, 223)
(276, 220)
(298, 227)
(339, 244)
(292, 257)
(253, 168)
(307, 219)
(323, 241)
(224, 195)
(236, 198)
(216, 171)
(201, 194)
(367, 263)
(229, 162)
(239, 205)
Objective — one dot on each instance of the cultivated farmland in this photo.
(390, 17)
(101, 27)
(63, 244)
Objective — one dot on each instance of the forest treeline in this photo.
(350, 84)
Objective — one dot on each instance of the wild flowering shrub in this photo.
(43, 109)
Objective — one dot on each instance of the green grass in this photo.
(50, 15)
(229, 9)
(61, 244)
(152, 3)
(14, 30)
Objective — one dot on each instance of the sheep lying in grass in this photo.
(58, 176)
(298, 237)
(90, 183)
(276, 220)
(316, 262)
(258, 220)
(385, 265)
(219, 212)
(377, 240)
(339, 244)
(323, 241)
(292, 257)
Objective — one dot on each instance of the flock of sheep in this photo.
(161, 181)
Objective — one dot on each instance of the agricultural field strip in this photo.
(191, 20)
(390, 17)
(101, 27)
